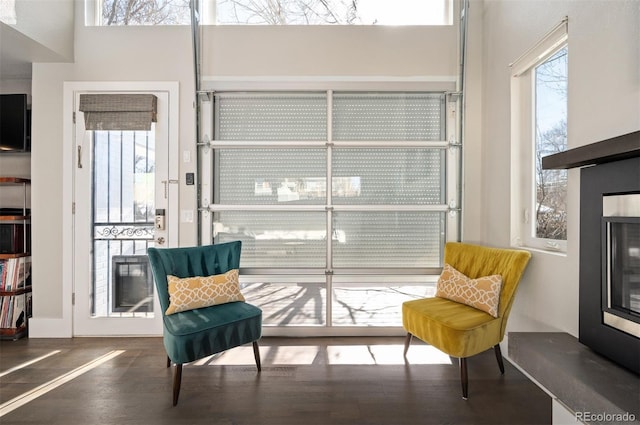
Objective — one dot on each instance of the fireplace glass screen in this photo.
(623, 265)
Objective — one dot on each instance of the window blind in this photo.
(119, 111)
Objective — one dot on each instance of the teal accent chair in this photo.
(192, 335)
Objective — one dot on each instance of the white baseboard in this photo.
(49, 328)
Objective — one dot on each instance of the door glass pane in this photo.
(123, 209)
(272, 176)
(388, 116)
(275, 239)
(388, 176)
(264, 117)
(388, 239)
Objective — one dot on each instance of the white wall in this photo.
(38, 31)
(604, 101)
(102, 54)
(164, 54)
(473, 199)
(49, 23)
(244, 51)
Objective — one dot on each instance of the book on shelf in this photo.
(27, 304)
(19, 317)
(13, 313)
(23, 276)
(15, 273)
(6, 312)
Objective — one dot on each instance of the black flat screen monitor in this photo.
(15, 123)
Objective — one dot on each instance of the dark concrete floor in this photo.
(304, 381)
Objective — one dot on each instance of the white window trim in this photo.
(522, 117)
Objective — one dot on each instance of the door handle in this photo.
(160, 240)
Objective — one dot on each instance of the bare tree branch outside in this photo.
(278, 12)
(145, 12)
(288, 12)
(270, 12)
(551, 137)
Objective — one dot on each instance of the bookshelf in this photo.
(15, 263)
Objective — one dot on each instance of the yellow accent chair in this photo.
(460, 330)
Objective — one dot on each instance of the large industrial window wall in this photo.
(343, 201)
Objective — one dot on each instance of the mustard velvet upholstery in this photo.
(452, 327)
(457, 329)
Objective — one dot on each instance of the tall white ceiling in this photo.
(35, 31)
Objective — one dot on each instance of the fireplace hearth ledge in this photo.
(581, 379)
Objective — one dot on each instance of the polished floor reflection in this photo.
(303, 381)
(304, 304)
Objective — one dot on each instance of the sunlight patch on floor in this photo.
(287, 355)
(28, 363)
(301, 355)
(24, 398)
(384, 355)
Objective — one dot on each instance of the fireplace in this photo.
(621, 262)
(609, 295)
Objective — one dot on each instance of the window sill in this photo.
(554, 252)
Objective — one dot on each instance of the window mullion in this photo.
(453, 168)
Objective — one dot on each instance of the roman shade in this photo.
(119, 111)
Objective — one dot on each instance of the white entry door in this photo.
(123, 184)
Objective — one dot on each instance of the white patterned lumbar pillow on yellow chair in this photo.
(190, 293)
(482, 293)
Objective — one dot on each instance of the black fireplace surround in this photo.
(610, 167)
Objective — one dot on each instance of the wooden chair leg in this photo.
(177, 378)
(464, 378)
(407, 343)
(168, 361)
(256, 354)
(498, 352)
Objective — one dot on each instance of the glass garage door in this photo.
(342, 201)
